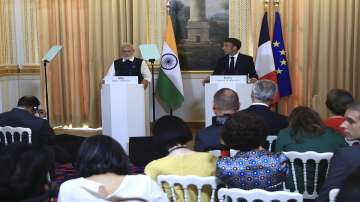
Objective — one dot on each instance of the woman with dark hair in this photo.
(103, 169)
(253, 166)
(307, 132)
(24, 173)
(171, 133)
(337, 101)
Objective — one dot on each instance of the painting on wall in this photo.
(200, 27)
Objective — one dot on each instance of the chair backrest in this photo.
(332, 194)
(217, 152)
(270, 139)
(305, 157)
(185, 181)
(22, 132)
(257, 194)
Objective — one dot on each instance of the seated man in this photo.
(262, 96)
(345, 160)
(226, 102)
(24, 116)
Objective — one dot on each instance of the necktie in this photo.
(232, 65)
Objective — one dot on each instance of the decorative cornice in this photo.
(16, 70)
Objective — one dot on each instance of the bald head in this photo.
(226, 101)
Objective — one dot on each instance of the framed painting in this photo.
(200, 27)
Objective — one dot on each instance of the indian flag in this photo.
(169, 84)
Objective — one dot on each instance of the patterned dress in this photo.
(253, 169)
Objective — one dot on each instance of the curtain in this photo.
(7, 33)
(322, 40)
(91, 32)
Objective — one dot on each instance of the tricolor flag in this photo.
(264, 63)
(282, 69)
(169, 84)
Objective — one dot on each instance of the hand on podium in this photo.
(145, 83)
(206, 80)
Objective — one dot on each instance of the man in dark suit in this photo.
(226, 102)
(24, 116)
(234, 63)
(345, 160)
(262, 96)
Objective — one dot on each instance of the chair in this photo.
(305, 157)
(218, 152)
(185, 181)
(270, 139)
(23, 132)
(332, 194)
(257, 194)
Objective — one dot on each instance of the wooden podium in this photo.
(237, 83)
(123, 109)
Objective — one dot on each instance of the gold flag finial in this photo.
(266, 3)
(276, 3)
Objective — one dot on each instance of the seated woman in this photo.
(337, 101)
(171, 133)
(103, 167)
(24, 173)
(307, 132)
(252, 167)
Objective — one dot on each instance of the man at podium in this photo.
(128, 65)
(234, 63)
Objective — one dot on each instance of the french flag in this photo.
(264, 64)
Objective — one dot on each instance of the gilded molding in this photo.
(16, 70)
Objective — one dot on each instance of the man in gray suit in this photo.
(226, 102)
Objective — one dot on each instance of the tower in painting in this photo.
(198, 26)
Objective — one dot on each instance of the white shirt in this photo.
(139, 186)
(235, 58)
(145, 72)
(259, 103)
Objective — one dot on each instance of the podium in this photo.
(123, 109)
(237, 83)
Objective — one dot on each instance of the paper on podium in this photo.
(149, 51)
(52, 53)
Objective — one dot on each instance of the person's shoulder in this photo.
(71, 185)
(245, 56)
(209, 130)
(354, 150)
(118, 60)
(139, 178)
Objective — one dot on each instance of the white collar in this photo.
(235, 56)
(130, 58)
(259, 103)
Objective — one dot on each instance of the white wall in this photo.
(14, 87)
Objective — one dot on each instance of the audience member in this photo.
(345, 160)
(253, 166)
(226, 102)
(337, 101)
(172, 133)
(350, 190)
(24, 116)
(103, 169)
(24, 173)
(306, 132)
(262, 96)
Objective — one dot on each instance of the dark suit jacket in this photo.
(244, 65)
(209, 138)
(343, 163)
(274, 121)
(41, 132)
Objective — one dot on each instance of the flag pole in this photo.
(168, 13)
